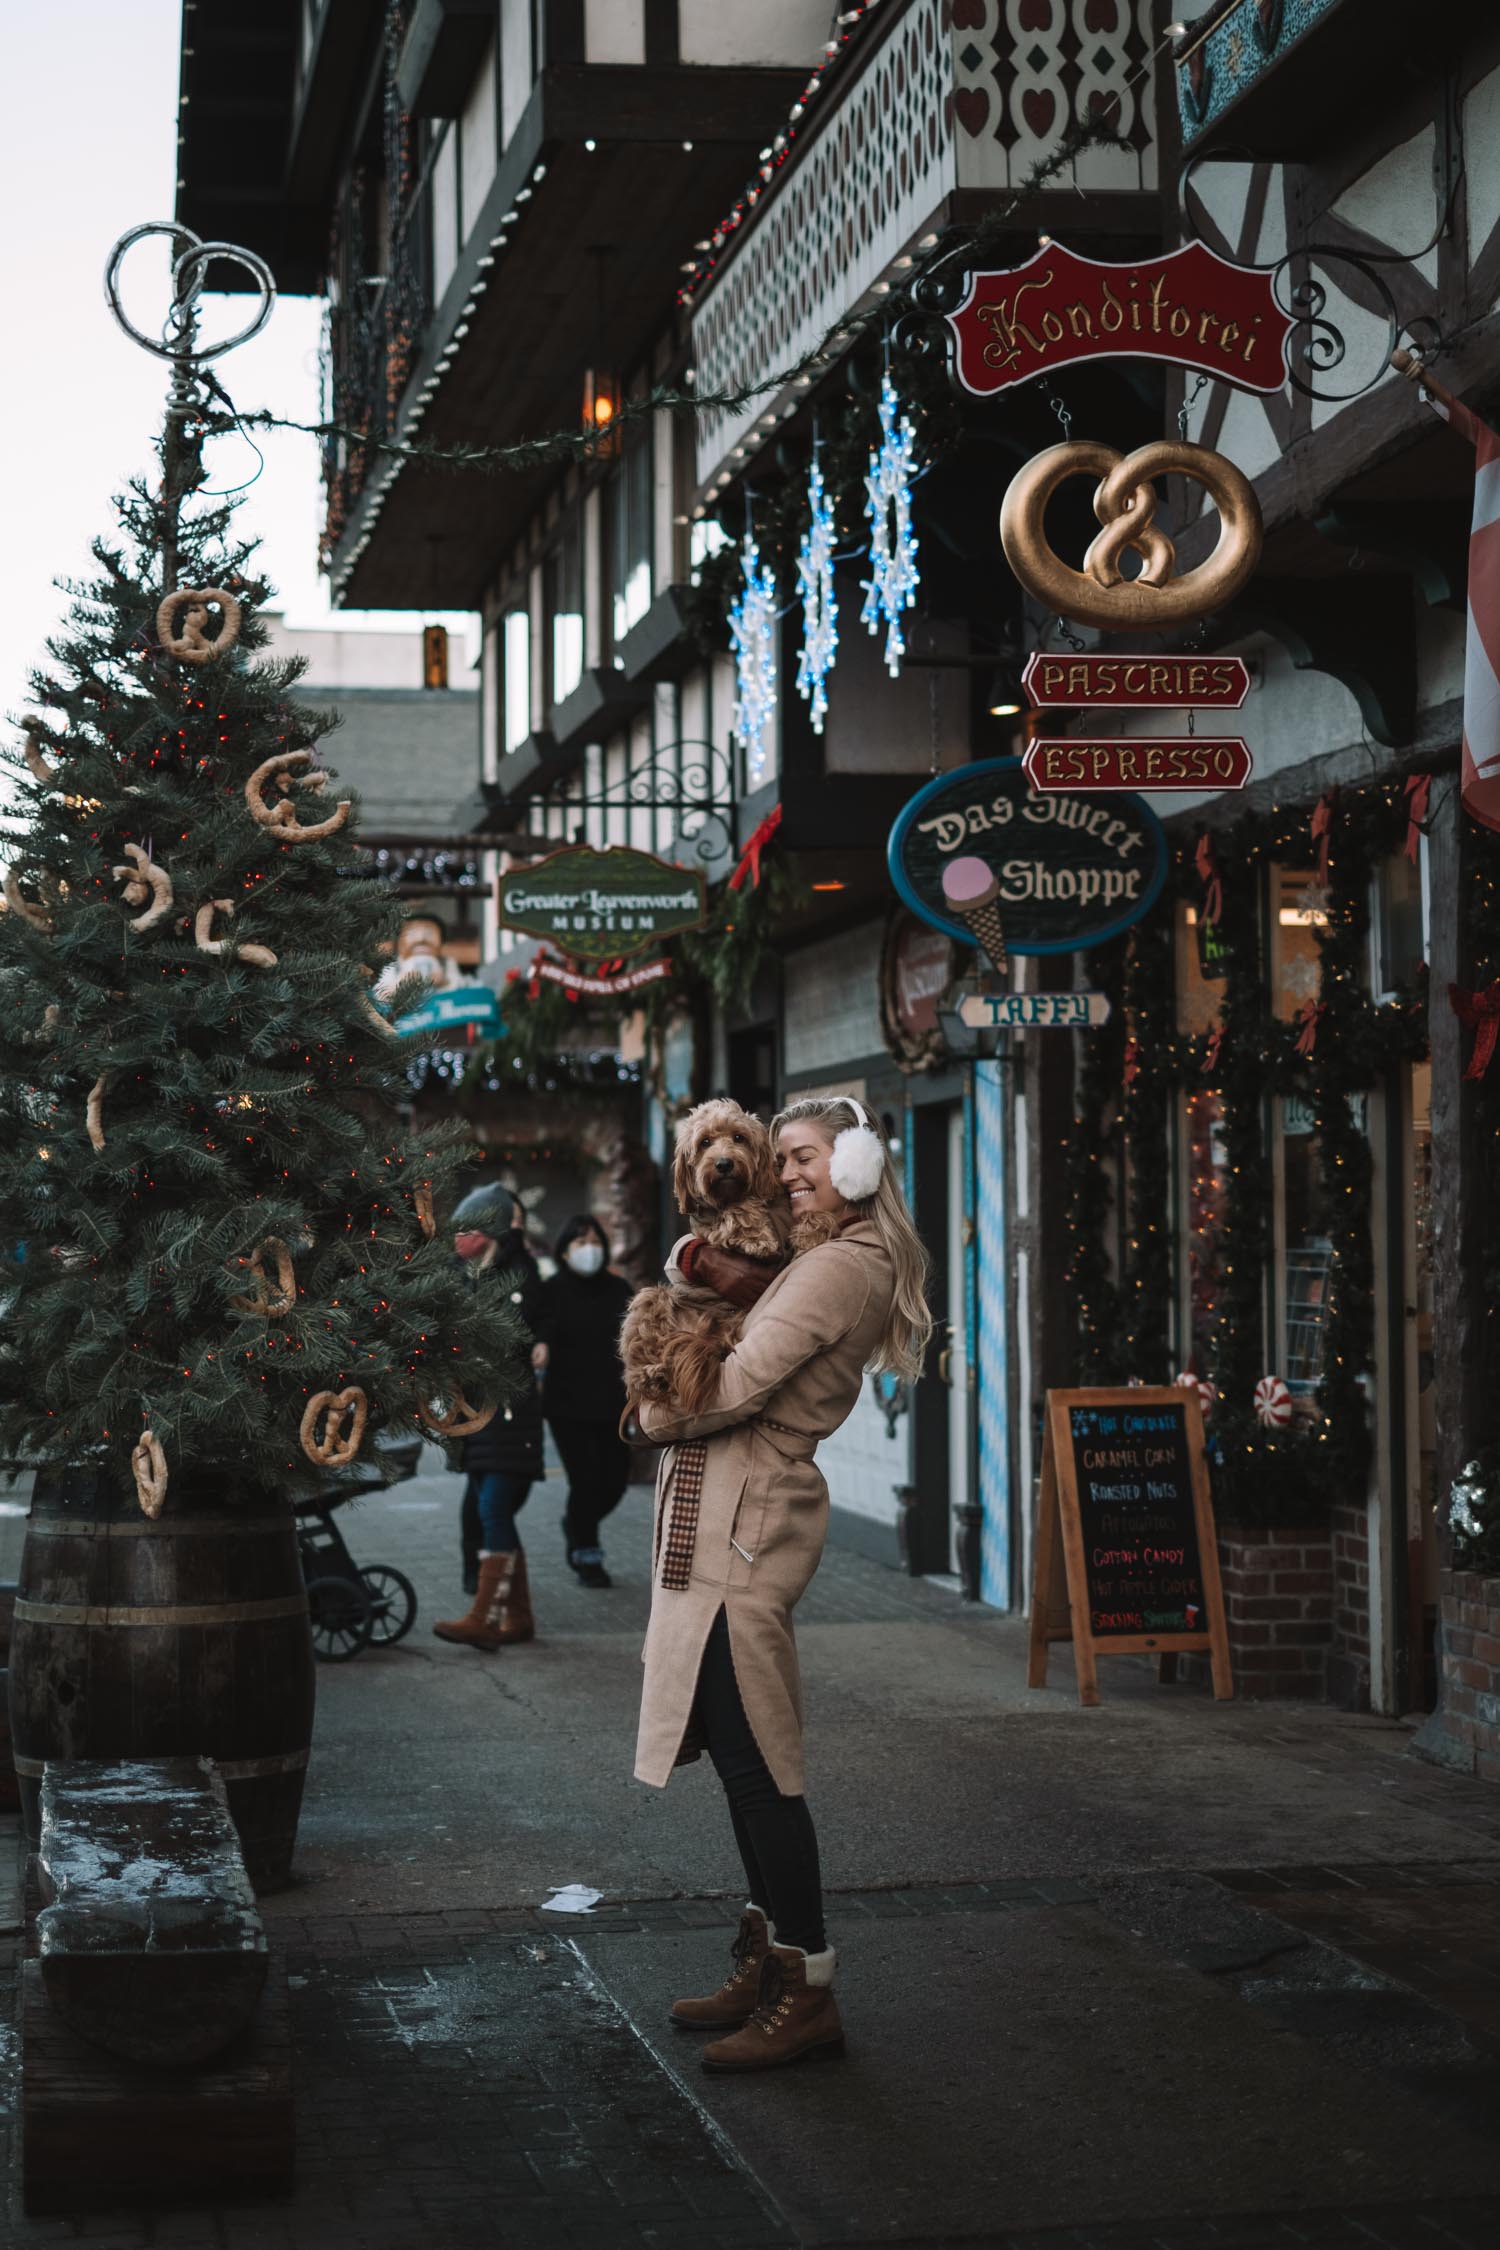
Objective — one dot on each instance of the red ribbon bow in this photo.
(1309, 1016)
(1322, 829)
(1418, 791)
(1478, 1012)
(1132, 1059)
(1211, 1056)
(750, 858)
(1206, 860)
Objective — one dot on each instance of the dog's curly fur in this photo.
(724, 1179)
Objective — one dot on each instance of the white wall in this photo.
(445, 244)
(350, 658)
(614, 31)
(832, 1001)
(772, 31)
(515, 64)
(477, 141)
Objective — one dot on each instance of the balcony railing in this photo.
(946, 98)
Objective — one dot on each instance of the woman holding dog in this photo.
(742, 1518)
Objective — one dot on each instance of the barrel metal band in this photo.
(179, 1613)
(229, 1769)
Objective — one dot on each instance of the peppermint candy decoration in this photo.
(1273, 1403)
(1187, 1381)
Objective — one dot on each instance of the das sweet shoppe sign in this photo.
(1059, 872)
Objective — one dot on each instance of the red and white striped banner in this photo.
(1481, 760)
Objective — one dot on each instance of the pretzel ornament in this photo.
(259, 956)
(30, 909)
(1125, 505)
(271, 1303)
(94, 1112)
(144, 880)
(149, 1465)
(281, 818)
(338, 1445)
(421, 1203)
(190, 643)
(460, 1419)
(41, 765)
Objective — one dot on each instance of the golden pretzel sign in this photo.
(1125, 504)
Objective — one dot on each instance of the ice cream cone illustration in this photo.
(972, 890)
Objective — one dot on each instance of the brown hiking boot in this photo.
(734, 2002)
(796, 2015)
(502, 1606)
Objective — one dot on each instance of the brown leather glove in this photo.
(728, 1273)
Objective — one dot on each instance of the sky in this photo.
(88, 152)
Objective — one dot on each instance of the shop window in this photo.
(708, 538)
(517, 659)
(1300, 913)
(562, 592)
(1307, 1259)
(1207, 1179)
(628, 517)
(1202, 960)
(1398, 924)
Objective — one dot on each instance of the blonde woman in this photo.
(720, 1658)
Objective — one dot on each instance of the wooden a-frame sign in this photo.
(1127, 1560)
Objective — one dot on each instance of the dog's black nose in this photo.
(723, 1163)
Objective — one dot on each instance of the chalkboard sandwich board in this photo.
(1126, 1558)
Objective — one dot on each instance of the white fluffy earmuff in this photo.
(857, 1164)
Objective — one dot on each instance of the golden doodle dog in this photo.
(725, 1180)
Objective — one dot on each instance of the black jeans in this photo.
(775, 1834)
(596, 1461)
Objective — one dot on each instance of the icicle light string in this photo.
(573, 445)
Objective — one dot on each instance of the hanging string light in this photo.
(752, 631)
(894, 577)
(820, 608)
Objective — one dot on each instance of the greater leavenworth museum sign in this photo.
(602, 906)
(1065, 871)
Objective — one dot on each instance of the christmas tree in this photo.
(220, 1246)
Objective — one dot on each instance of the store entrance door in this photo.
(940, 1408)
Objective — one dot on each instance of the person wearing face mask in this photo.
(583, 1396)
(502, 1461)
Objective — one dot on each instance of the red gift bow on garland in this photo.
(1309, 1015)
(1478, 1012)
(1132, 1060)
(1206, 860)
(1211, 1056)
(1418, 792)
(750, 857)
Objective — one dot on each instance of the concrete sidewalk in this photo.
(1162, 1972)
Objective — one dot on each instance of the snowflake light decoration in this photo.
(752, 630)
(820, 608)
(894, 577)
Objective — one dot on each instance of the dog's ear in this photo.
(682, 1169)
(766, 1184)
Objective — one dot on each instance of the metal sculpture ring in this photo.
(1125, 505)
(178, 340)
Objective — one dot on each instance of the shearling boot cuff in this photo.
(818, 1968)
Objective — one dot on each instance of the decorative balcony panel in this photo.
(1280, 79)
(949, 96)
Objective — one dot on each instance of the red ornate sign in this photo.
(1191, 307)
(1179, 761)
(1136, 683)
(602, 987)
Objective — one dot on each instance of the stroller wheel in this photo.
(342, 1617)
(393, 1604)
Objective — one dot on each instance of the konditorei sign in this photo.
(1066, 680)
(1064, 871)
(602, 906)
(1191, 307)
(1172, 762)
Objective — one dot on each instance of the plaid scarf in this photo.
(680, 1514)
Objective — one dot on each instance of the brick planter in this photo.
(1278, 1602)
(1464, 1731)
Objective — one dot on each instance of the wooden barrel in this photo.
(187, 1636)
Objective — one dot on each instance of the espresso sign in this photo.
(601, 906)
(1191, 307)
(1126, 1558)
(1179, 761)
(1062, 870)
(1136, 683)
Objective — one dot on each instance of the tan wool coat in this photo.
(792, 1379)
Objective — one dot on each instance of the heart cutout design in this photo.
(972, 106)
(1038, 108)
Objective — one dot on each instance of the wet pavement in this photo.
(1161, 1973)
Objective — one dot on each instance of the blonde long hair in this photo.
(903, 1342)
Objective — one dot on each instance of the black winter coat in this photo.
(581, 1318)
(511, 1444)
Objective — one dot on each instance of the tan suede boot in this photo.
(516, 1620)
(796, 2015)
(484, 1626)
(734, 2002)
